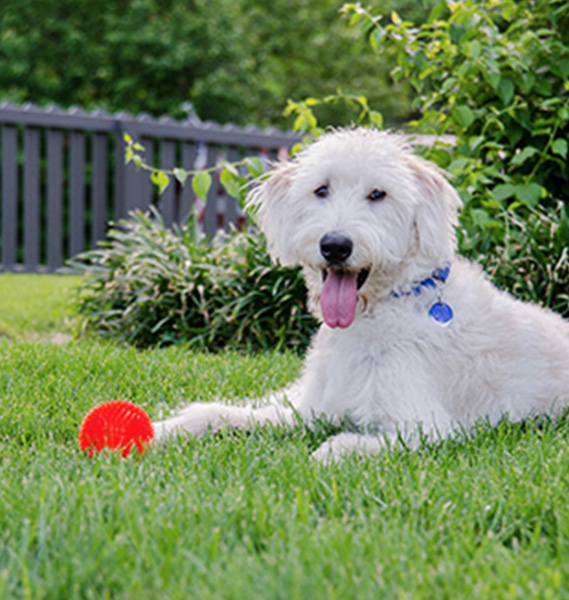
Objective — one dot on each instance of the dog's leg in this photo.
(342, 444)
(201, 417)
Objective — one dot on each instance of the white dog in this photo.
(414, 338)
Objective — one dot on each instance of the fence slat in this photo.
(133, 196)
(54, 199)
(186, 201)
(147, 189)
(210, 224)
(168, 199)
(31, 187)
(232, 204)
(9, 196)
(76, 193)
(120, 207)
(99, 190)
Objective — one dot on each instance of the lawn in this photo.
(249, 516)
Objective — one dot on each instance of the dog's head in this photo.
(361, 213)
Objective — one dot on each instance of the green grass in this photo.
(36, 305)
(249, 516)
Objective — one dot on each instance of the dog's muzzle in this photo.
(336, 248)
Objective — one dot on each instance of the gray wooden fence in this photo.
(63, 177)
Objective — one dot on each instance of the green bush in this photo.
(150, 285)
(531, 259)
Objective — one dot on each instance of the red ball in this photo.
(116, 425)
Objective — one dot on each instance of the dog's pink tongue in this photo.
(339, 298)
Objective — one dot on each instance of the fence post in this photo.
(9, 196)
(54, 199)
(31, 199)
(99, 182)
(76, 192)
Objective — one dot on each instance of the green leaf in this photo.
(437, 12)
(243, 186)
(505, 91)
(510, 11)
(528, 194)
(299, 123)
(560, 147)
(457, 165)
(290, 108)
(463, 115)
(521, 157)
(373, 40)
(492, 78)
(448, 84)
(160, 179)
(201, 183)
(255, 166)
(181, 175)
(420, 61)
(355, 18)
(473, 49)
(561, 69)
(490, 70)
(479, 217)
(230, 181)
(527, 82)
(503, 191)
(376, 118)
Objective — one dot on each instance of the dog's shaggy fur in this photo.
(371, 223)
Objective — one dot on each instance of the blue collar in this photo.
(440, 312)
(437, 277)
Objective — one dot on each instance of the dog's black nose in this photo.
(336, 248)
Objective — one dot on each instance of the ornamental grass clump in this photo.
(151, 285)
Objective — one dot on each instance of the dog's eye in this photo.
(322, 191)
(376, 195)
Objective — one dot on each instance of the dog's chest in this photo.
(357, 372)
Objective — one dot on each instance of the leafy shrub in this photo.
(152, 285)
(496, 75)
(531, 260)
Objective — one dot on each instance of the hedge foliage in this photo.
(150, 285)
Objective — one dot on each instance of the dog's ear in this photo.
(267, 203)
(436, 216)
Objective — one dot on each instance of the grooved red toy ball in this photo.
(116, 425)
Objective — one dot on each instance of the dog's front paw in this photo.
(326, 453)
(337, 447)
(196, 419)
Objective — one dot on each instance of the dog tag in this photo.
(441, 313)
